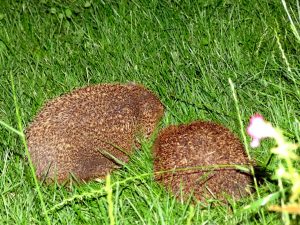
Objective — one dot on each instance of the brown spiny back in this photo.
(71, 132)
(200, 144)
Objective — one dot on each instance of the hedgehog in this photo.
(208, 146)
(90, 131)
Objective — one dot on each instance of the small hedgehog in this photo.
(200, 144)
(72, 132)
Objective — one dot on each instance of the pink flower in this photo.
(259, 129)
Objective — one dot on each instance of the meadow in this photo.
(185, 52)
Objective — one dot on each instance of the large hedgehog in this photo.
(73, 133)
(200, 144)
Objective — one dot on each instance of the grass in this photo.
(184, 51)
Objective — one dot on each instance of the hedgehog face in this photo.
(146, 115)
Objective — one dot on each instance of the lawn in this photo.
(185, 52)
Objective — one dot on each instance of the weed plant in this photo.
(185, 52)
